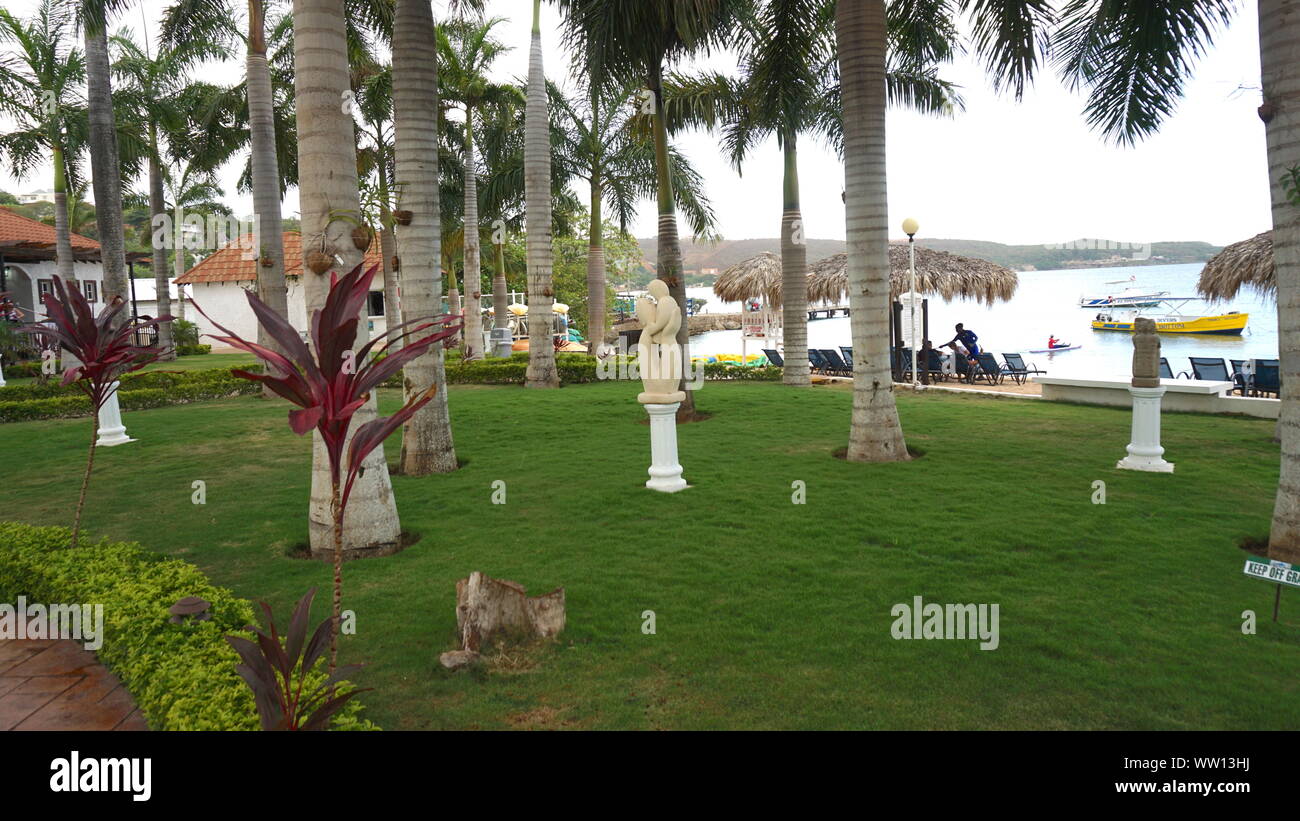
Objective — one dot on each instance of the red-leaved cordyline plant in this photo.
(334, 383)
(104, 350)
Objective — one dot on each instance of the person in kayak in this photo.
(966, 338)
(1053, 342)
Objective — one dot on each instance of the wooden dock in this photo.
(828, 313)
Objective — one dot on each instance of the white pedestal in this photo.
(111, 430)
(665, 472)
(1144, 451)
(2, 373)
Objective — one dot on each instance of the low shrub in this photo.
(182, 676)
(193, 350)
(22, 370)
(151, 389)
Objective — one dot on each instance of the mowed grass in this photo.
(768, 614)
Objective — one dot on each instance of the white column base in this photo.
(111, 430)
(665, 472)
(1144, 450)
(2, 373)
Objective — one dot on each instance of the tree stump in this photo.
(486, 606)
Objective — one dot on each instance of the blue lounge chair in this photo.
(1165, 371)
(774, 357)
(834, 362)
(935, 366)
(989, 369)
(848, 356)
(1016, 368)
(1267, 379)
(1207, 368)
(817, 362)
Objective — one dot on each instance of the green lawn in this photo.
(769, 614)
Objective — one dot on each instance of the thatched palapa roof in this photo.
(938, 273)
(758, 277)
(1245, 264)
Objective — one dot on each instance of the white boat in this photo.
(1127, 298)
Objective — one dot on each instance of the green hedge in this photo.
(193, 350)
(181, 676)
(22, 370)
(152, 389)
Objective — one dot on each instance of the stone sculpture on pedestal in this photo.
(1144, 450)
(660, 363)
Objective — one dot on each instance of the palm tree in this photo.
(606, 149)
(537, 186)
(1135, 59)
(631, 41)
(467, 51)
(39, 91)
(427, 445)
(105, 164)
(328, 193)
(374, 85)
(153, 93)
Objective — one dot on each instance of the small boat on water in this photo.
(1059, 349)
(1232, 323)
(1130, 297)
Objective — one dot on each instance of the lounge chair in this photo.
(1165, 371)
(834, 362)
(1239, 377)
(989, 369)
(848, 356)
(1016, 368)
(1211, 369)
(1267, 379)
(774, 357)
(818, 364)
(935, 366)
(904, 365)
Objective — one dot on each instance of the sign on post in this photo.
(1273, 571)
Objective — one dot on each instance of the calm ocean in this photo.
(1046, 303)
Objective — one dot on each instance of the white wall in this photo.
(225, 302)
(26, 289)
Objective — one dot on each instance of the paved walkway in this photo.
(48, 684)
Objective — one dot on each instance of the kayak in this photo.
(1058, 350)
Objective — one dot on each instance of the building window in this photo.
(44, 286)
(92, 290)
(376, 304)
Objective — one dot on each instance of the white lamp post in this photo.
(910, 227)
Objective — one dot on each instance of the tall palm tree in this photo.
(330, 204)
(788, 87)
(375, 100)
(631, 41)
(40, 91)
(427, 445)
(616, 159)
(105, 164)
(1135, 59)
(153, 93)
(467, 50)
(537, 185)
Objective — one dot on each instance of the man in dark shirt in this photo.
(967, 339)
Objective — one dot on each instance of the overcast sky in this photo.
(1028, 172)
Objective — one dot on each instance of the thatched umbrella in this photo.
(758, 277)
(937, 273)
(1248, 264)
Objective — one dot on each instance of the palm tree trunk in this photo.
(794, 273)
(105, 171)
(62, 230)
(271, 286)
(1279, 46)
(473, 263)
(387, 243)
(537, 187)
(875, 434)
(670, 247)
(157, 208)
(330, 204)
(178, 258)
(500, 289)
(427, 445)
(596, 266)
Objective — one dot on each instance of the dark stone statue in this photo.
(1146, 353)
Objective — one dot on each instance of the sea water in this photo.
(1047, 304)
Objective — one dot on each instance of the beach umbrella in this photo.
(758, 277)
(938, 273)
(1248, 264)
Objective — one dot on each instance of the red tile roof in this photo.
(17, 231)
(230, 264)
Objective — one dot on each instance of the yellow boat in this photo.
(1229, 324)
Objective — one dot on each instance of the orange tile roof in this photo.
(230, 265)
(17, 231)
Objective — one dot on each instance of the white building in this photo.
(218, 283)
(44, 195)
(27, 263)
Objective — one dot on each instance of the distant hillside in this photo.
(699, 257)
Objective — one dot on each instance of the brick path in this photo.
(58, 685)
